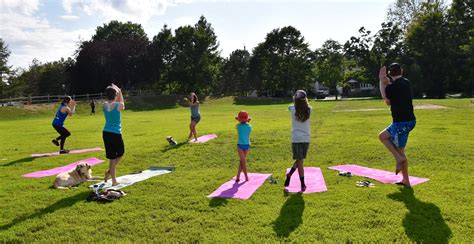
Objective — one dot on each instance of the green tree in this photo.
(116, 53)
(196, 62)
(160, 56)
(427, 42)
(284, 62)
(4, 68)
(235, 74)
(330, 65)
(461, 34)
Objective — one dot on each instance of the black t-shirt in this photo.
(400, 95)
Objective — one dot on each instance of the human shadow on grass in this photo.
(217, 202)
(291, 216)
(424, 222)
(63, 203)
(21, 160)
(169, 147)
(260, 101)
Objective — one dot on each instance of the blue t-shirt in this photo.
(243, 130)
(113, 119)
(60, 117)
(195, 111)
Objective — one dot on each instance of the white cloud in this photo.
(69, 17)
(125, 10)
(29, 36)
(26, 7)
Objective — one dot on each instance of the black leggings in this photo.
(64, 133)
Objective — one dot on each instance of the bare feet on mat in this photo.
(403, 183)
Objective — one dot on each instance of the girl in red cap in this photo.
(243, 144)
(300, 134)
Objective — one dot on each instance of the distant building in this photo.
(357, 87)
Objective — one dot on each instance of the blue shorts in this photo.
(244, 147)
(399, 132)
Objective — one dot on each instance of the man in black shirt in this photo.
(397, 93)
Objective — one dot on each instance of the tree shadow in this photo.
(22, 160)
(291, 216)
(63, 203)
(424, 222)
(169, 147)
(253, 101)
(217, 202)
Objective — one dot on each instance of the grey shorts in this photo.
(196, 119)
(300, 150)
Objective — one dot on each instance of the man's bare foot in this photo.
(403, 183)
(115, 183)
(303, 188)
(246, 178)
(237, 180)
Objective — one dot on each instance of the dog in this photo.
(171, 141)
(74, 177)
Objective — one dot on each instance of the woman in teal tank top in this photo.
(112, 133)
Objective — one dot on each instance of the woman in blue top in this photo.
(243, 144)
(112, 134)
(68, 107)
(195, 115)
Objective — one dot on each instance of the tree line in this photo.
(432, 40)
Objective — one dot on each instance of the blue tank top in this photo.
(60, 117)
(113, 119)
(243, 130)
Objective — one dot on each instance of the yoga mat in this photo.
(203, 139)
(243, 189)
(127, 180)
(313, 178)
(71, 152)
(377, 174)
(55, 171)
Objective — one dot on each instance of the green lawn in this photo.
(174, 207)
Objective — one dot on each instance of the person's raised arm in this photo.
(383, 81)
(120, 99)
(71, 108)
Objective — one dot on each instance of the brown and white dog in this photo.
(74, 177)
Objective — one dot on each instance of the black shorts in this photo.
(113, 143)
(300, 150)
(196, 119)
(62, 131)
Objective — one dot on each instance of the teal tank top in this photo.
(113, 119)
(243, 130)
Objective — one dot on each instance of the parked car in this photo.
(321, 94)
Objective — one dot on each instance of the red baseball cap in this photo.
(243, 116)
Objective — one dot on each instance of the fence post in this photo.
(48, 98)
(101, 96)
(30, 102)
(87, 96)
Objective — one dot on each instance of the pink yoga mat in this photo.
(377, 174)
(243, 189)
(313, 178)
(55, 171)
(71, 152)
(203, 139)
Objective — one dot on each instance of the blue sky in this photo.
(50, 29)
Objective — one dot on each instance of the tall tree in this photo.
(427, 42)
(330, 65)
(461, 34)
(235, 74)
(4, 68)
(196, 60)
(284, 61)
(116, 53)
(160, 56)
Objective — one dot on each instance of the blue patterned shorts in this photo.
(399, 132)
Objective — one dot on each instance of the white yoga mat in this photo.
(127, 180)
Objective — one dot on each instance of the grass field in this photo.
(174, 207)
